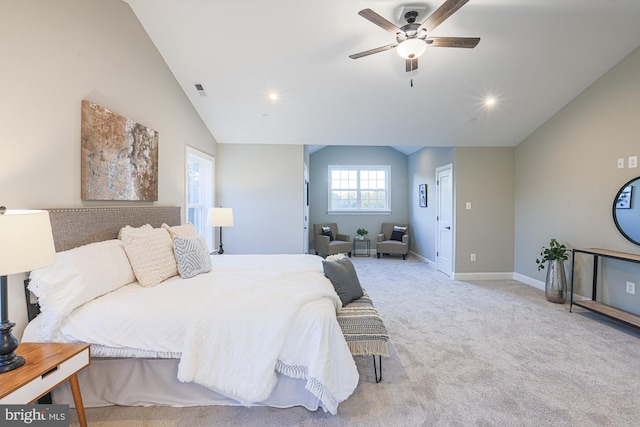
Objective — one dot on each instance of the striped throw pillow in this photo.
(192, 255)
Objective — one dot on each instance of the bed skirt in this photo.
(153, 382)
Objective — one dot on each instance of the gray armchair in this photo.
(393, 243)
(333, 242)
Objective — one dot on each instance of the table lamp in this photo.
(221, 217)
(26, 243)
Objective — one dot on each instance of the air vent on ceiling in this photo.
(200, 89)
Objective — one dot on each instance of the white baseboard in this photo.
(423, 259)
(528, 280)
(511, 276)
(541, 285)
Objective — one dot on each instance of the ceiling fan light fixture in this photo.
(411, 48)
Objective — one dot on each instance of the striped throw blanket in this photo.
(363, 329)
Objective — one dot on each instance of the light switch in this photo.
(468, 206)
(633, 161)
(621, 163)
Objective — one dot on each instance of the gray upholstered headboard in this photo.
(75, 227)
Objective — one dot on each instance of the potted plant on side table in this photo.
(555, 287)
(361, 232)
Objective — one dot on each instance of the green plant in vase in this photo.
(361, 232)
(554, 256)
(555, 251)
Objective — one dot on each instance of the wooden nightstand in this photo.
(47, 366)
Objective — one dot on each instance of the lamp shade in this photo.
(221, 217)
(26, 241)
(411, 48)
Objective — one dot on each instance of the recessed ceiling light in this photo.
(273, 96)
(490, 101)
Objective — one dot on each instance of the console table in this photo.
(593, 304)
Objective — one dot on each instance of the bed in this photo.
(232, 330)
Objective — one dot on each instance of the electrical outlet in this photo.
(473, 257)
(633, 161)
(631, 288)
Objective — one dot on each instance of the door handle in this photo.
(448, 228)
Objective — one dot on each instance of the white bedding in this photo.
(278, 309)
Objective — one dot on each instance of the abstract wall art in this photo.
(119, 157)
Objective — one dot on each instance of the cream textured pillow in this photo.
(150, 252)
(181, 230)
(128, 227)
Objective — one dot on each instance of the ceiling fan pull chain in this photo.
(411, 74)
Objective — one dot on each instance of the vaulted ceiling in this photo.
(534, 57)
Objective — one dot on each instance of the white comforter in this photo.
(232, 328)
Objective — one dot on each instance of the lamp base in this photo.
(220, 250)
(12, 364)
(8, 343)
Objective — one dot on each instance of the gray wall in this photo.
(484, 176)
(358, 155)
(55, 54)
(422, 170)
(264, 185)
(567, 177)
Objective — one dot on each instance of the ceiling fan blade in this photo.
(411, 65)
(372, 51)
(379, 21)
(466, 42)
(447, 9)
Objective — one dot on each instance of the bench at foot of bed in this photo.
(364, 331)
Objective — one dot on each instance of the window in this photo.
(199, 191)
(359, 188)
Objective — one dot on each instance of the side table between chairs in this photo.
(361, 247)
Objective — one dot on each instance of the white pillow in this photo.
(150, 252)
(181, 230)
(192, 255)
(336, 257)
(78, 276)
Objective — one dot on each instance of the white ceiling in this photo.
(534, 57)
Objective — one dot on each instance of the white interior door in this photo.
(444, 226)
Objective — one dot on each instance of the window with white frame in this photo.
(359, 188)
(199, 182)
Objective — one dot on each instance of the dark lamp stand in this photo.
(8, 343)
(220, 249)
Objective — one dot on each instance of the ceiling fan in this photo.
(412, 38)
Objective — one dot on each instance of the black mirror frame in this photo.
(614, 212)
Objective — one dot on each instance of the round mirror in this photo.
(626, 211)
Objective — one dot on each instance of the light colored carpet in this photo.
(486, 353)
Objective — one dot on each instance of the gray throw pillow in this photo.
(344, 279)
(192, 255)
